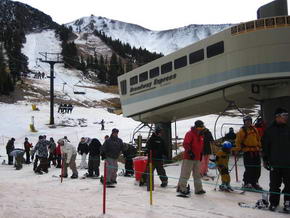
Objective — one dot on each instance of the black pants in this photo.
(10, 160)
(158, 165)
(35, 163)
(129, 166)
(277, 176)
(93, 165)
(58, 160)
(43, 164)
(27, 153)
(252, 163)
(51, 158)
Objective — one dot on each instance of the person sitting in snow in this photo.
(69, 154)
(222, 161)
(94, 158)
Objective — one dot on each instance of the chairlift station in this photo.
(247, 64)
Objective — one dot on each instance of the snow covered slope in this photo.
(166, 41)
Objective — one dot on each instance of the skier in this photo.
(27, 147)
(18, 153)
(276, 150)
(111, 150)
(69, 154)
(248, 140)
(222, 161)
(156, 146)
(102, 124)
(42, 153)
(193, 147)
(94, 149)
(83, 150)
(207, 151)
(10, 147)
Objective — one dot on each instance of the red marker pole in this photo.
(104, 187)
(61, 173)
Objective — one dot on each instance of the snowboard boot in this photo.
(272, 207)
(201, 192)
(287, 206)
(74, 176)
(163, 184)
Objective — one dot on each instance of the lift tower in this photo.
(51, 59)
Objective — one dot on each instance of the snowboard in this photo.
(85, 176)
(254, 206)
(233, 191)
(183, 195)
(207, 178)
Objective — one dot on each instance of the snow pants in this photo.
(112, 169)
(129, 166)
(252, 163)
(158, 165)
(204, 164)
(71, 165)
(94, 164)
(83, 164)
(43, 165)
(187, 167)
(277, 176)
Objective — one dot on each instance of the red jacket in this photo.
(193, 141)
(58, 150)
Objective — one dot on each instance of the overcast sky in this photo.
(153, 14)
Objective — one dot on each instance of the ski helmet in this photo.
(245, 118)
(227, 144)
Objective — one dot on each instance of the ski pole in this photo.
(151, 181)
(236, 168)
(217, 180)
(61, 174)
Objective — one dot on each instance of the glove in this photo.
(191, 155)
(266, 165)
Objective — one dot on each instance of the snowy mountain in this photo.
(166, 41)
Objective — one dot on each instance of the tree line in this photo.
(107, 69)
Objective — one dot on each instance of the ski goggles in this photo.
(282, 115)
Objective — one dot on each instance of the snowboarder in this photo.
(222, 161)
(94, 158)
(69, 154)
(111, 150)
(10, 147)
(83, 150)
(193, 147)
(41, 148)
(18, 153)
(156, 146)
(27, 147)
(276, 150)
(248, 140)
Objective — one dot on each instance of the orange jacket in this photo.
(248, 139)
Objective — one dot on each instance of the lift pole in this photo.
(51, 62)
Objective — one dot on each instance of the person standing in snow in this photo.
(69, 154)
(248, 140)
(42, 152)
(83, 150)
(52, 148)
(94, 149)
(58, 156)
(193, 147)
(27, 147)
(102, 124)
(276, 151)
(207, 140)
(10, 147)
(156, 146)
(111, 150)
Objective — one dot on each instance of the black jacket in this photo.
(113, 147)
(276, 145)
(207, 139)
(9, 146)
(157, 145)
(83, 148)
(95, 147)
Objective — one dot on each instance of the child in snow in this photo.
(18, 153)
(222, 161)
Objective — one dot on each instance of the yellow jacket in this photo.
(222, 159)
(248, 139)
